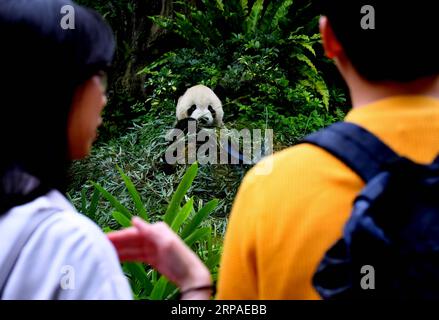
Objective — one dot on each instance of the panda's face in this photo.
(200, 103)
(205, 116)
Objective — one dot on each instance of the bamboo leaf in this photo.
(114, 202)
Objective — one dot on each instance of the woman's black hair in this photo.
(42, 63)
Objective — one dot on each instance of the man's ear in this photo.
(332, 46)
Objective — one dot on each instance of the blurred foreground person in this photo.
(52, 93)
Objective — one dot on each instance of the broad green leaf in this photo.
(170, 291)
(121, 219)
(197, 235)
(179, 194)
(114, 202)
(182, 215)
(158, 292)
(172, 295)
(141, 211)
(199, 217)
(138, 272)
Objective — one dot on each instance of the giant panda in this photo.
(200, 105)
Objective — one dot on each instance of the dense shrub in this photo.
(262, 64)
(262, 57)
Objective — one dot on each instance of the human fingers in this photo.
(158, 234)
(126, 238)
(133, 255)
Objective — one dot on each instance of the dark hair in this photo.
(401, 48)
(41, 65)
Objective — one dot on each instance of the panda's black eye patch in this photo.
(212, 111)
(191, 110)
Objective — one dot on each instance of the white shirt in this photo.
(67, 257)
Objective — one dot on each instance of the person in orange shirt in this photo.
(292, 207)
(283, 222)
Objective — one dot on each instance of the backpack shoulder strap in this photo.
(14, 253)
(358, 148)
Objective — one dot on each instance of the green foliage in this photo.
(260, 53)
(264, 59)
(138, 153)
(183, 218)
(179, 194)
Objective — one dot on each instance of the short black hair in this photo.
(401, 48)
(41, 65)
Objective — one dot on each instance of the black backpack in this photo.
(390, 244)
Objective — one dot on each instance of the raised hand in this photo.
(158, 246)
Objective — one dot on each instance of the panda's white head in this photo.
(202, 104)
